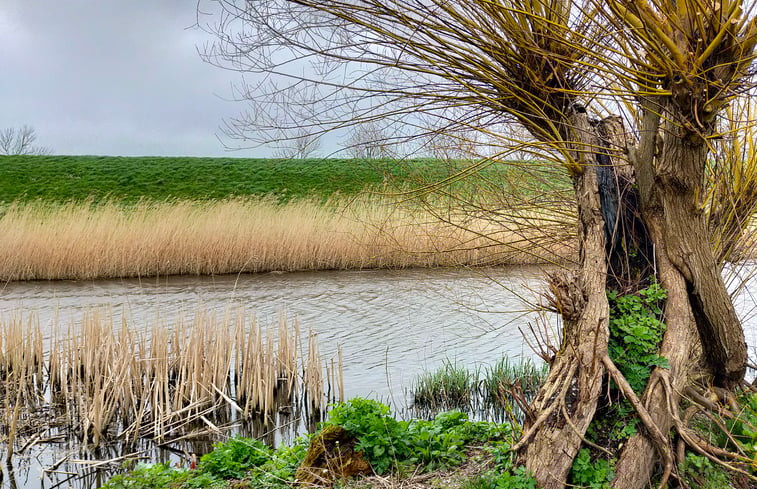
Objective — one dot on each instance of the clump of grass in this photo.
(508, 386)
(449, 387)
(497, 388)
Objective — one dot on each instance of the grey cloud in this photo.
(104, 77)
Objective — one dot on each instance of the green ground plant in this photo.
(503, 474)
(235, 458)
(636, 330)
(518, 478)
(697, 471)
(592, 474)
(149, 476)
(387, 443)
(390, 444)
(246, 461)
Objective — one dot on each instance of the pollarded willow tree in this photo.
(630, 97)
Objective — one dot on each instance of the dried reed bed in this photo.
(103, 381)
(84, 241)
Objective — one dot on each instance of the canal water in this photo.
(390, 325)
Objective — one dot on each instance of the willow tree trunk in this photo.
(566, 404)
(680, 177)
(699, 314)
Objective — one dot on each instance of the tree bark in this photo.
(568, 400)
(686, 236)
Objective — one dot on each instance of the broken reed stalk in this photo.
(108, 381)
(313, 376)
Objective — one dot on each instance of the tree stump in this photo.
(331, 457)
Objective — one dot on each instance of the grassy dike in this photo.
(130, 179)
(70, 217)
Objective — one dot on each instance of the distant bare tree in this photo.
(302, 145)
(20, 141)
(454, 144)
(368, 140)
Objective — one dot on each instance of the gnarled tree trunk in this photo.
(699, 314)
(567, 402)
(680, 182)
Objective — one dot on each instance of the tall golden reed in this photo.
(85, 241)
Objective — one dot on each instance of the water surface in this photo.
(391, 325)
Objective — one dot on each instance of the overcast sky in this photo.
(112, 78)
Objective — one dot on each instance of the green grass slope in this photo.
(128, 179)
(63, 178)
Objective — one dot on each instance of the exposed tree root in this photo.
(730, 460)
(556, 394)
(661, 443)
(579, 434)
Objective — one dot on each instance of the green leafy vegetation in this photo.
(388, 443)
(697, 471)
(436, 444)
(238, 459)
(149, 476)
(503, 474)
(742, 428)
(733, 428)
(592, 474)
(235, 458)
(636, 331)
(518, 478)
